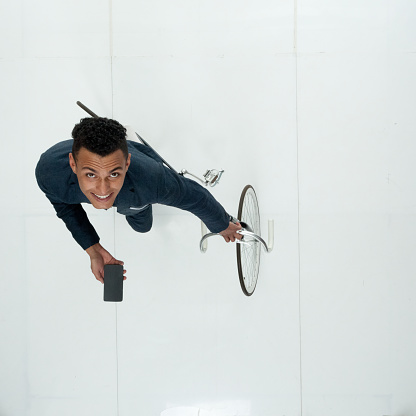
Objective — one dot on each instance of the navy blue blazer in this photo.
(147, 181)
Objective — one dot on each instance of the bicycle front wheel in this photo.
(248, 253)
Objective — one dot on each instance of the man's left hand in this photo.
(230, 234)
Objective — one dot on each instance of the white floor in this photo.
(313, 104)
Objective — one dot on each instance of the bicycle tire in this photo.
(248, 255)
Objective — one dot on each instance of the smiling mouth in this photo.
(102, 198)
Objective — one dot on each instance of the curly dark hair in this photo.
(100, 135)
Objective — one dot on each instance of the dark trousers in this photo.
(142, 221)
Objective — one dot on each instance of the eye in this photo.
(90, 175)
(114, 175)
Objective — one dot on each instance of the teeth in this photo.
(102, 197)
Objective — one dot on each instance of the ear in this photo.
(72, 163)
(128, 161)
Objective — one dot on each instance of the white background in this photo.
(313, 103)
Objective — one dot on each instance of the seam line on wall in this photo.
(295, 50)
(114, 213)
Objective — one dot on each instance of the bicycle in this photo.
(249, 247)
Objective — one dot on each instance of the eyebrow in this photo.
(93, 170)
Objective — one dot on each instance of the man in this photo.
(99, 166)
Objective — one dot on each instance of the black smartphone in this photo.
(113, 283)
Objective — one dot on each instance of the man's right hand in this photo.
(99, 258)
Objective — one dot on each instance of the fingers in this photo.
(99, 277)
(231, 234)
(98, 272)
(232, 237)
(236, 236)
(115, 261)
(237, 224)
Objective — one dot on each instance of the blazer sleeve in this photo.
(73, 215)
(177, 191)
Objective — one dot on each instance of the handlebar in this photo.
(253, 237)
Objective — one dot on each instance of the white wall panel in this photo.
(363, 128)
(354, 26)
(66, 29)
(356, 193)
(11, 21)
(346, 314)
(48, 109)
(58, 337)
(194, 334)
(205, 28)
(204, 113)
(71, 338)
(217, 91)
(13, 325)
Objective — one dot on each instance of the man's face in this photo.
(100, 178)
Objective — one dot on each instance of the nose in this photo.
(103, 188)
